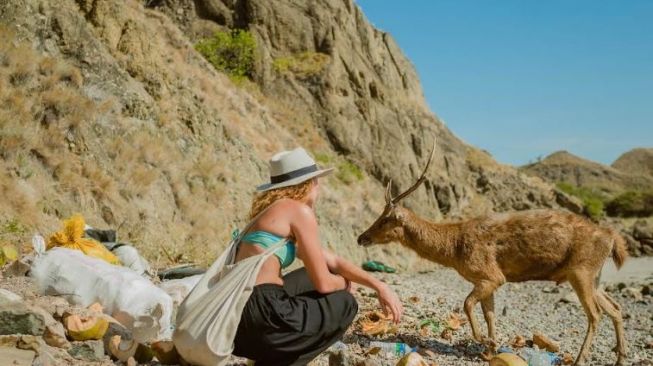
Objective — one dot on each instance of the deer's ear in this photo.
(398, 213)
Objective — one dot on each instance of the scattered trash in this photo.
(165, 352)
(455, 321)
(123, 349)
(507, 359)
(567, 358)
(375, 323)
(545, 342)
(85, 328)
(518, 342)
(428, 326)
(504, 349)
(537, 357)
(8, 253)
(182, 271)
(375, 266)
(178, 289)
(126, 253)
(447, 334)
(394, 348)
(83, 280)
(71, 237)
(412, 359)
(338, 355)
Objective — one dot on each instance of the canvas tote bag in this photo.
(207, 320)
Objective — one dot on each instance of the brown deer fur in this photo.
(514, 247)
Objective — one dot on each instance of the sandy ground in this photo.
(521, 309)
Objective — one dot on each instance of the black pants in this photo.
(293, 323)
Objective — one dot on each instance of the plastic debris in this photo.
(375, 323)
(396, 349)
(545, 342)
(412, 359)
(518, 342)
(455, 321)
(537, 357)
(178, 289)
(71, 237)
(165, 352)
(85, 328)
(376, 266)
(132, 300)
(8, 253)
(507, 359)
(428, 326)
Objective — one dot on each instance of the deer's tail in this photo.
(619, 251)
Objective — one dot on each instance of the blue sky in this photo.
(524, 78)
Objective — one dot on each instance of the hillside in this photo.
(636, 161)
(109, 111)
(562, 166)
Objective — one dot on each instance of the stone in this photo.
(642, 230)
(546, 343)
(53, 305)
(16, 268)
(570, 298)
(16, 357)
(55, 336)
(339, 358)
(7, 296)
(18, 318)
(633, 293)
(569, 202)
(87, 350)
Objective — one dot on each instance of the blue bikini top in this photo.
(264, 239)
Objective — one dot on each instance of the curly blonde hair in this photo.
(263, 200)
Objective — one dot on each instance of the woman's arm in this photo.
(348, 270)
(389, 301)
(304, 227)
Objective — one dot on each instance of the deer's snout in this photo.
(364, 240)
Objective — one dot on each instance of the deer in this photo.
(518, 246)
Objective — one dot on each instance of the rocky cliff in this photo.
(108, 110)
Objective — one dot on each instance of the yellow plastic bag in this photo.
(71, 237)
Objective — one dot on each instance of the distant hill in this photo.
(636, 161)
(562, 166)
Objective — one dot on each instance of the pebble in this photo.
(87, 350)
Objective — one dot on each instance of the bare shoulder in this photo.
(292, 209)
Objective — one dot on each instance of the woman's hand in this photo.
(390, 303)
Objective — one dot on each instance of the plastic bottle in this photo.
(395, 348)
(338, 346)
(536, 357)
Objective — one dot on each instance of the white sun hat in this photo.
(289, 168)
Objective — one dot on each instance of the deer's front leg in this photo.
(482, 290)
(487, 305)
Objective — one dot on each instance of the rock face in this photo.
(562, 166)
(109, 111)
(366, 101)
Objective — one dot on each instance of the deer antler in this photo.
(419, 181)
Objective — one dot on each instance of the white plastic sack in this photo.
(83, 280)
(130, 258)
(179, 288)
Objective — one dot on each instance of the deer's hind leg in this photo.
(482, 290)
(614, 312)
(583, 284)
